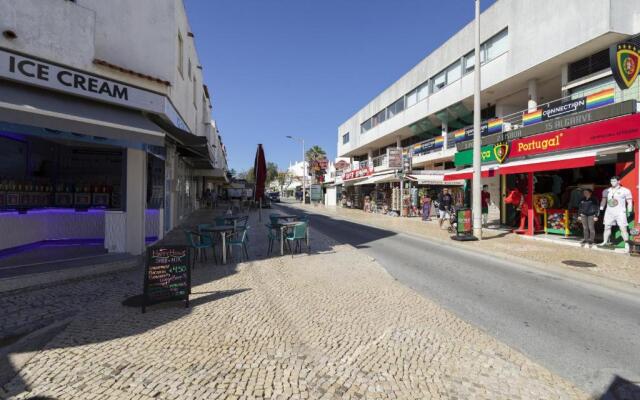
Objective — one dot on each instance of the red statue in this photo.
(519, 200)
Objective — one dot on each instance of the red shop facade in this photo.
(551, 169)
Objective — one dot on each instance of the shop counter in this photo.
(51, 224)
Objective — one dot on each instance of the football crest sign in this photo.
(625, 63)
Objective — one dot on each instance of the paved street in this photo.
(584, 332)
(333, 324)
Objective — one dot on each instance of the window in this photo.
(412, 98)
(396, 108)
(204, 109)
(454, 72)
(423, 91)
(345, 138)
(382, 116)
(469, 62)
(438, 82)
(189, 69)
(195, 91)
(495, 46)
(180, 54)
(365, 126)
(589, 65)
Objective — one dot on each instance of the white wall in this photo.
(139, 35)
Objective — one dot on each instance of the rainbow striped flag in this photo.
(494, 126)
(459, 135)
(439, 141)
(532, 118)
(602, 98)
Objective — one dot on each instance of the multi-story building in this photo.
(539, 61)
(103, 107)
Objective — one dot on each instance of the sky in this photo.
(303, 67)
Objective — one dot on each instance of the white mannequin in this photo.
(616, 212)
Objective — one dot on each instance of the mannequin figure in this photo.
(619, 202)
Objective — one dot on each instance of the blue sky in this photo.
(302, 67)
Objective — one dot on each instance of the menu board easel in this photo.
(167, 275)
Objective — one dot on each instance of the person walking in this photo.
(444, 206)
(588, 213)
(486, 200)
(426, 208)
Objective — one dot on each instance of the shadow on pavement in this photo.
(107, 318)
(365, 234)
(621, 389)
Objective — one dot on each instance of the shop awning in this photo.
(434, 180)
(379, 179)
(467, 173)
(576, 159)
(30, 106)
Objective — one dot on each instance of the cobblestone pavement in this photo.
(597, 263)
(330, 325)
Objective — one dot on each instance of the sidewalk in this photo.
(622, 269)
(330, 325)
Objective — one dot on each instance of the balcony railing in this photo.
(515, 120)
(380, 161)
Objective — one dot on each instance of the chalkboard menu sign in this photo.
(167, 275)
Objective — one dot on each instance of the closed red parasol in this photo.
(260, 169)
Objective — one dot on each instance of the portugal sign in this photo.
(625, 63)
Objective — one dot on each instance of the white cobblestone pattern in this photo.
(331, 325)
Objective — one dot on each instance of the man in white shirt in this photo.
(619, 203)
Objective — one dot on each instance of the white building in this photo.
(118, 87)
(527, 49)
(533, 54)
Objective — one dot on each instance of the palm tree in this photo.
(315, 153)
(313, 156)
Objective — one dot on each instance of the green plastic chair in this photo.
(199, 243)
(274, 219)
(272, 235)
(209, 237)
(298, 233)
(241, 243)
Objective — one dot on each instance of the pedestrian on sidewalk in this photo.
(444, 206)
(485, 199)
(588, 213)
(426, 208)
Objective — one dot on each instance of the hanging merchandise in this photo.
(414, 197)
(395, 199)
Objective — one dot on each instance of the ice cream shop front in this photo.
(82, 169)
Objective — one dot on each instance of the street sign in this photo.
(316, 193)
(394, 158)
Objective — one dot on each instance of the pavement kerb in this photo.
(584, 277)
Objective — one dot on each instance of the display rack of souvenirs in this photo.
(367, 204)
(561, 222)
(407, 208)
(357, 200)
(395, 199)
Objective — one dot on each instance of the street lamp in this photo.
(304, 168)
(476, 206)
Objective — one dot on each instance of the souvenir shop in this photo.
(550, 171)
(383, 194)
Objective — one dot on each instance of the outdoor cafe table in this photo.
(286, 216)
(223, 230)
(286, 225)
